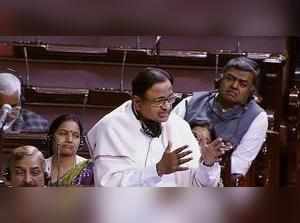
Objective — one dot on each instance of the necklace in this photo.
(58, 168)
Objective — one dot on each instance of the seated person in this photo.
(19, 119)
(26, 167)
(64, 167)
(233, 112)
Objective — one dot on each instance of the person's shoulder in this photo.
(262, 116)
(200, 94)
(176, 119)
(27, 114)
(119, 114)
(80, 159)
(33, 122)
(257, 107)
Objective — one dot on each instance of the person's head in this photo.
(238, 82)
(202, 132)
(10, 93)
(64, 135)
(26, 167)
(152, 94)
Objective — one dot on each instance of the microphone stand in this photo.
(1, 137)
(123, 70)
(157, 49)
(58, 165)
(2, 178)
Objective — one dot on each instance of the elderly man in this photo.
(18, 119)
(141, 143)
(232, 111)
(26, 167)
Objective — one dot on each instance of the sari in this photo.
(81, 174)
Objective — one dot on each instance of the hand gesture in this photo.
(172, 161)
(212, 152)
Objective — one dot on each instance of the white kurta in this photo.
(125, 156)
(250, 144)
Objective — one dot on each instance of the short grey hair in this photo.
(245, 64)
(9, 84)
(21, 152)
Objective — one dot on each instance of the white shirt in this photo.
(250, 144)
(125, 156)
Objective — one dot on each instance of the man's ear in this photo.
(218, 80)
(137, 101)
(252, 91)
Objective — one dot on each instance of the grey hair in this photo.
(245, 64)
(9, 84)
(21, 152)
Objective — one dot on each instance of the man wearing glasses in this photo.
(18, 119)
(141, 143)
(233, 112)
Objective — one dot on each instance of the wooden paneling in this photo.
(190, 75)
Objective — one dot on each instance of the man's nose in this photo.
(235, 84)
(28, 178)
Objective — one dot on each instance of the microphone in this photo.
(6, 109)
(157, 45)
(57, 144)
(157, 39)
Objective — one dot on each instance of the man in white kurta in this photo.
(141, 144)
(125, 156)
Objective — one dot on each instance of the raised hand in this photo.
(212, 152)
(173, 161)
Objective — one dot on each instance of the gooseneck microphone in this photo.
(6, 109)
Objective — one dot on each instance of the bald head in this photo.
(9, 84)
(10, 90)
(27, 165)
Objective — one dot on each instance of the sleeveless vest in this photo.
(230, 125)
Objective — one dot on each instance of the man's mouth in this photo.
(231, 93)
(29, 185)
(164, 115)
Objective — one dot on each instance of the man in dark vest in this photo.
(232, 111)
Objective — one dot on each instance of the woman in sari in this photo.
(64, 166)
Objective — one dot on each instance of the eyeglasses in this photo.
(158, 102)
